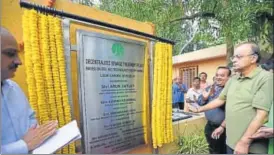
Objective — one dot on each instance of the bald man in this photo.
(20, 131)
(248, 97)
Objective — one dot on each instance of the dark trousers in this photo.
(216, 146)
(179, 105)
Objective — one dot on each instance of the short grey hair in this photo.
(255, 49)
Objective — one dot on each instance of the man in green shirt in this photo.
(248, 97)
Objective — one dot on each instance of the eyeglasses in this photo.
(240, 56)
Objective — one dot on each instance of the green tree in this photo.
(241, 20)
(196, 24)
(158, 12)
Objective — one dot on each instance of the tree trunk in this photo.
(229, 48)
(229, 37)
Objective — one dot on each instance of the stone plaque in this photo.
(110, 74)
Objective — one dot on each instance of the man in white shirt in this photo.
(19, 129)
(203, 83)
(194, 92)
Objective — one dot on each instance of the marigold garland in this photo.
(28, 63)
(41, 25)
(37, 68)
(162, 132)
(62, 75)
(46, 49)
(45, 69)
(169, 96)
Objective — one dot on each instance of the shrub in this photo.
(194, 143)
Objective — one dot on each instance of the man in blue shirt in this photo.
(215, 117)
(178, 90)
(19, 129)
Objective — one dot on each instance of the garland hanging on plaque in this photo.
(45, 69)
(162, 131)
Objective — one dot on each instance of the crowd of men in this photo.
(236, 106)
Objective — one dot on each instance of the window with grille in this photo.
(187, 74)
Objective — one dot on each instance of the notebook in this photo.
(64, 136)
